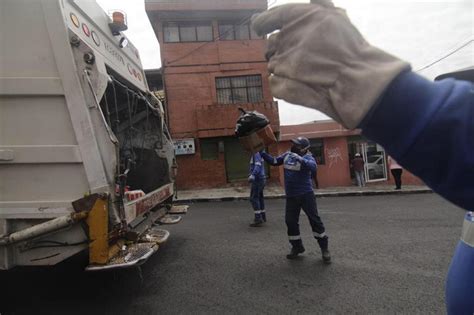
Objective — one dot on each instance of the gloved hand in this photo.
(297, 157)
(251, 178)
(320, 60)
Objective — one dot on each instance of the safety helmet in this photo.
(301, 142)
(357, 154)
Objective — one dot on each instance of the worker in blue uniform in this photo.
(299, 171)
(257, 182)
(318, 59)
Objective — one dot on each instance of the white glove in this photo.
(320, 60)
(297, 157)
(251, 178)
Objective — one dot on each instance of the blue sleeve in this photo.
(313, 172)
(310, 163)
(271, 160)
(428, 127)
(257, 164)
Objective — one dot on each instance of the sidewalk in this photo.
(275, 191)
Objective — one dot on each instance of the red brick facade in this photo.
(189, 72)
(336, 168)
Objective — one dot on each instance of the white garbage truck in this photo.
(86, 160)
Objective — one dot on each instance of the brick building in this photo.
(212, 64)
(334, 147)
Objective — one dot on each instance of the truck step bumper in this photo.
(155, 235)
(129, 256)
(170, 219)
(182, 209)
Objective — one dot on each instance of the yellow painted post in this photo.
(98, 222)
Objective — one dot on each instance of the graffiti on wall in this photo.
(334, 156)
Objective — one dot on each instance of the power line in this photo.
(220, 36)
(446, 55)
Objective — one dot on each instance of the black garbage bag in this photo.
(249, 122)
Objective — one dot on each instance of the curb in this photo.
(318, 195)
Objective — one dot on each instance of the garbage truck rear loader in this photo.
(86, 161)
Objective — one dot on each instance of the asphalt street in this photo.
(390, 255)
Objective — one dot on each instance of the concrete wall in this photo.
(407, 179)
(335, 171)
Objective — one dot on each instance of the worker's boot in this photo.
(263, 215)
(326, 256)
(324, 245)
(257, 221)
(296, 249)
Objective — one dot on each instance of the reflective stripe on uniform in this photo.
(258, 163)
(294, 237)
(318, 235)
(467, 234)
(257, 211)
(295, 167)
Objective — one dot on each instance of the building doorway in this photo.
(375, 162)
(236, 160)
(375, 168)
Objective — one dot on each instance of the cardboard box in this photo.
(267, 135)
(257, 141)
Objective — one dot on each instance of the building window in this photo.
(243, 89)
(175, 32)
(317, 149)
(209, 149)
(236, 31)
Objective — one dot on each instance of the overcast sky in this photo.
(419, 31)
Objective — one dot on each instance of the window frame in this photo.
(207, 142)
(182, 24)
(235, 24)
(247, 88)
(318, 143)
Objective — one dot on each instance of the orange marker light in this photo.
(119, 22)
(118, 17)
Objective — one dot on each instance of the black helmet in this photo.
(301, 142)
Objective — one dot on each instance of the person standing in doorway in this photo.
(358, 167)
(257, 181)
(299, 170)
(396, 171)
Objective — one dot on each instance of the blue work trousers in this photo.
(307, 202)
(256, 194)
(460, 280)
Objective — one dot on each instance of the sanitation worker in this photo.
(299, 169)
(257, 184)
(320, 60)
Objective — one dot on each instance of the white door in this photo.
(375, 162)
